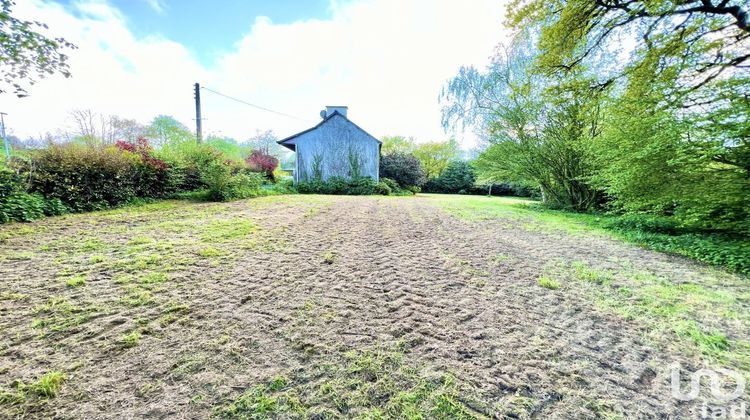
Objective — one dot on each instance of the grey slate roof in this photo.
(289, 141)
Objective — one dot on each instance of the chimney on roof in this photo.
(331, 109)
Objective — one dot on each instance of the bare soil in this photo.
(319, 276)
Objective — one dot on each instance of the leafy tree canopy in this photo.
(26, 54)
(695, 41)
(436, 156)
(397, 144)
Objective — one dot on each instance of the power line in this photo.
(255, 106)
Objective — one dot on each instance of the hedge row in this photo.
(73, 177)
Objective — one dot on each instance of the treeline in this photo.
(639, 107)
(438, 167)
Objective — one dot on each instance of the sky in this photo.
(387, 60)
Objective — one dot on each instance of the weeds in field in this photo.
(97, 258)
(13, 296)
(373, 383)
(209, 252)
(153, 278)
(47, 386)
(58, 315)
(548, 283)
(698, 316)
(130, 339)
(137, 297)
(329, 257)
(75, 281)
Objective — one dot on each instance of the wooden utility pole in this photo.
(2, 132)
(198, 128)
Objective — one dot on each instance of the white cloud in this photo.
(156, 5)
(386, 59)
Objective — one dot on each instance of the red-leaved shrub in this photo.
(142, 148)
(152, 175)
(258, 161)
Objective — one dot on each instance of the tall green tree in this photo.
(540, 130)
(435, 156)
(397, 144)
(165, 130)
(675, 136)
(26, 54)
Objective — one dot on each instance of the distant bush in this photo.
(226, 180)
(404, 168)
(397, 190)
(343, 186)
(263, 163)
(83, 177)
(458, 177)
(152, 175)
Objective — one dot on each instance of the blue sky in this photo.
(386, 59)
(209, 28)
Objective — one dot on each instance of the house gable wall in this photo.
(337, 148)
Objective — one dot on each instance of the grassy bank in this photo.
(728, 252)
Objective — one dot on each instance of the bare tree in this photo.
(96, 128)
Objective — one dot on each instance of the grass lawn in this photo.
(372, 307)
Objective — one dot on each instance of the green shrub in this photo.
(396, 188)
(24, 207)
(392, 184)
(226, 182)
(644, 223)
(151, 174)
(404, 168)
(85, 178)
(10, 183)
(283, 186)
(458, 177)
(17, 205)
(343, 186)
(383, 189)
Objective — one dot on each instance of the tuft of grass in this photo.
(707, 342)
(586, 273)
(97, 258)
(48, 385)
(140, 240)
(88, 245)
(210, 251)
(329, 257)
(76, 281)
(548, 283)
(13, 296)
(151, 278)
(137, 297)
(131, 339)
(226, 229)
